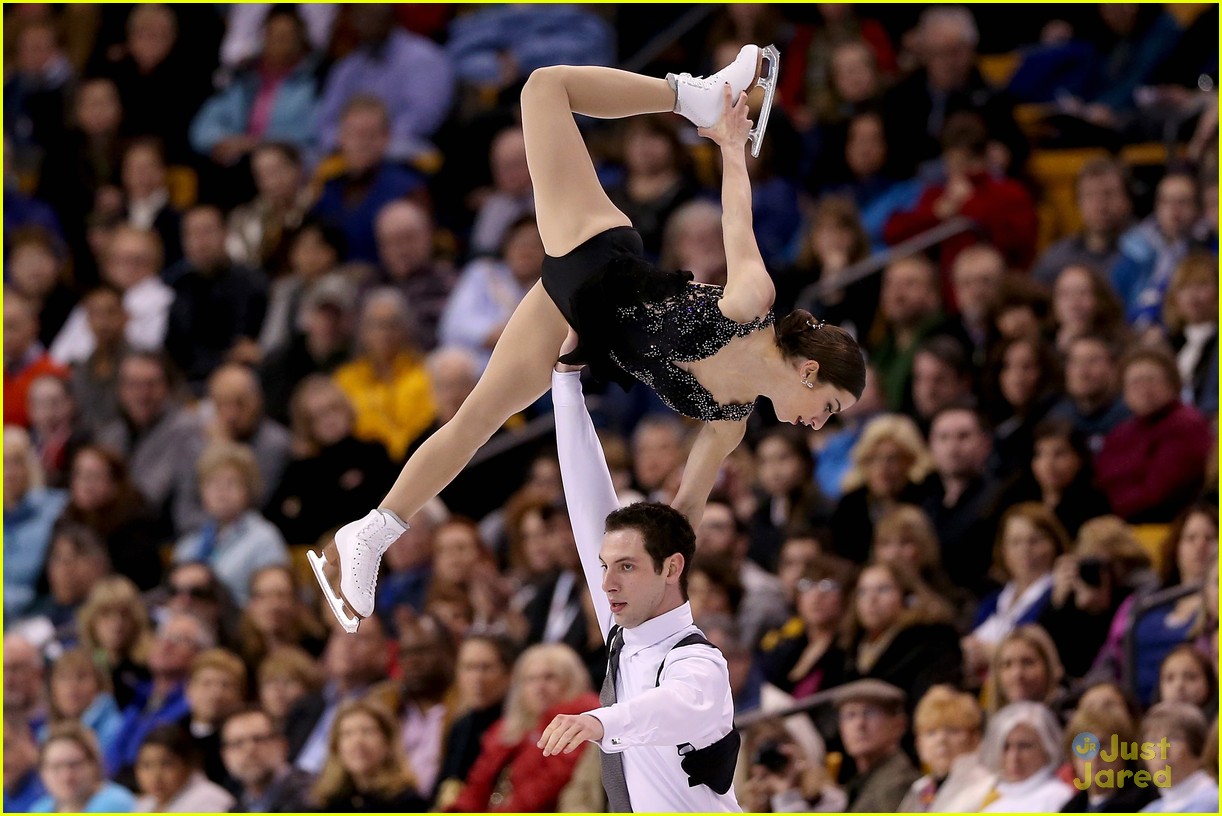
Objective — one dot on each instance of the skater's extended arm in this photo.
(749, 289)
(713, 444)
(588, 490)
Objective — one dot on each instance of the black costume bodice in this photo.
(682, 329)
(635, 321)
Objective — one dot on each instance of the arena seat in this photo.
(184, 186)
(1151, 537)
(998, 68)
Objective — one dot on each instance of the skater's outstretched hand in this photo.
(734, 126)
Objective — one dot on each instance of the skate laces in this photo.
(372, 540)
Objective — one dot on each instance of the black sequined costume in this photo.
(636, 321)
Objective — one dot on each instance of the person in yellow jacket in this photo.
(388, 382)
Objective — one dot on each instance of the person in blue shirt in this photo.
(411, 76)
(1151, 250)
(370, 178)
(180, 638)
(71, 768)
(30, 511)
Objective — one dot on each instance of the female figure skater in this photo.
(708, 352)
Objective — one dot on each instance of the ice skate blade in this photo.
(768, 83)
(318, 561)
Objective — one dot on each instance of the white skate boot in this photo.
(347, 568)
(700, 98)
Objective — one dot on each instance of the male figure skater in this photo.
(665, 726)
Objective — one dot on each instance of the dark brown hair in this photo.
(666, 532)
(841, 362)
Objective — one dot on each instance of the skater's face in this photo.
(634, 586)
(811, 406)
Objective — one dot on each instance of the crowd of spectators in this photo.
(255, 254)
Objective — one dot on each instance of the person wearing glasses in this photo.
(71, 768)
(256, 755)
(804, 656)
(179, 640)
(872, 722)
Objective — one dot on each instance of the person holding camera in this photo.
(1088, 586)
(666, 721)
(784, 777)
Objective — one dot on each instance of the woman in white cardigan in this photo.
(1022, 747)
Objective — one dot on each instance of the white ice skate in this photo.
(700, 98)
(347, 568)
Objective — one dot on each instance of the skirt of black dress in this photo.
(591, 284)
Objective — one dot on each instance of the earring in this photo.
(808, 383)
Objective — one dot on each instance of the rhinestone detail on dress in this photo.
(684, 328)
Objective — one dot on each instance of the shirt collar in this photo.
(658, 628)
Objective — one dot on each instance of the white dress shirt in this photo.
(693, 703)
(147, 304)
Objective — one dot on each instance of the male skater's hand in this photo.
(569, 344)
(732, 129)
(568, 731)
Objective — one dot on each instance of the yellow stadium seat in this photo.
(998, 68)
(184, 186)
(1185, 13)
(1151, 537)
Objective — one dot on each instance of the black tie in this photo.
(613, 764)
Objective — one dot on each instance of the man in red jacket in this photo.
(1152, 465)
(1000, 206)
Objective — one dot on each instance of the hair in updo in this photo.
(841, 362)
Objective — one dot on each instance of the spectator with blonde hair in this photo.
(235, 539)
(890, 463)
(1025, 667)
(948, 725)
(548, 680)
(1190, 314)
(80, 692)
(1088, 586)
(365, 768)
(71, 767)
(905, 536)
(1028, 543)
(113, 627)
(285, 676)
(30, 511)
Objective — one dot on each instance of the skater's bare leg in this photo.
(517, 375)
(571, 207)
(569, 200)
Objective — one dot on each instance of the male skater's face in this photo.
(633, 585)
